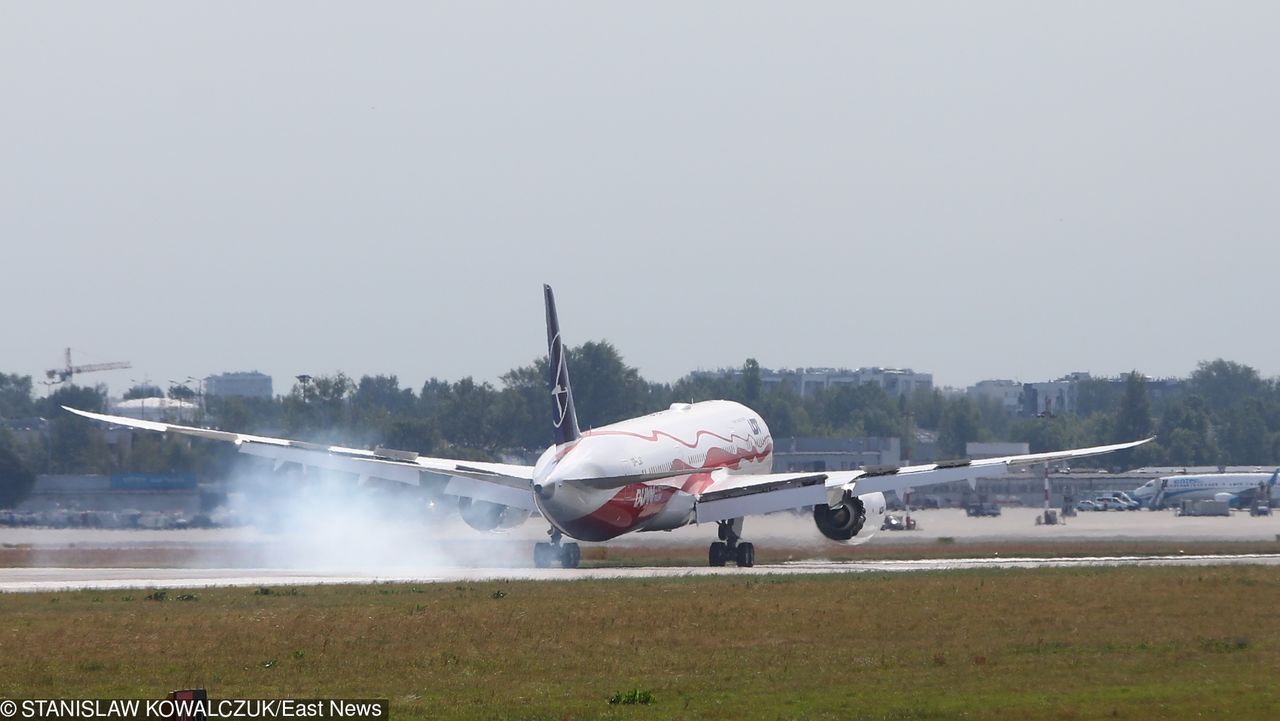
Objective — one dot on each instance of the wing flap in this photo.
(748, 495)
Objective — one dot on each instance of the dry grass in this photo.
(1137, 643)
(769, 553)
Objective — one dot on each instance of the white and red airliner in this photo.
(707, 462)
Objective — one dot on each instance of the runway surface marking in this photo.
(66, 579)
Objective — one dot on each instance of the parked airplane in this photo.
(707, 462)
(1159, 492)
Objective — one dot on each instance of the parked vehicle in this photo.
(1125, 501)
(1204, 508)
(894, 522)
(1087, 505)
(1110, 503)
(982, 509)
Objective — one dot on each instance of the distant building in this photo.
(995, 449)
(1005, 392)
(128, 494)
(247, 385)
(807, 381)
(895, 381)
(157, 409)
(1052, 398)
(834, 454)
(1062, 396)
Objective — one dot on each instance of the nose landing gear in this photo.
(546, 555)
(731, 547)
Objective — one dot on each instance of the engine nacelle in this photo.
(486, 516)
(854, 520)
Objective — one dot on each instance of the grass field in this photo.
(1138, 643)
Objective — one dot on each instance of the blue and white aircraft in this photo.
(1160, 492)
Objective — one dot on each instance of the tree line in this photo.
(1224, 414)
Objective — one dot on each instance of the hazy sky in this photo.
(979, 189)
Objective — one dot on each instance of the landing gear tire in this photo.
(570, 555)
(544, 555)
(746, 555)
(718, 554)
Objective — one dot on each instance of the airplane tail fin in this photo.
(564, 418)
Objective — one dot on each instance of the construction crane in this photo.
(62, 375)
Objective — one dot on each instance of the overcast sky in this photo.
(978, 190)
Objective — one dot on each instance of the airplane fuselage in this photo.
(710, 439)
(1201, 487)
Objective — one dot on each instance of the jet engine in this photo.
(854, 520)
(486, 516)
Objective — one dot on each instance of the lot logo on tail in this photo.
(560, 383)
(563, 417)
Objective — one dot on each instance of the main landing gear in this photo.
(731, 547)
(545, 555)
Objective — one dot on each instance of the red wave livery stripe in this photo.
(636, 503)
(719, 458)
(696, 483)
(723, 459)
(653, 436)
(629, 508)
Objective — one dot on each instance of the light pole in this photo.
(200, 404)
(305, 380)
(186, 384)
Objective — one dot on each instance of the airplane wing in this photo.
(504, 483)
(736, 496)
(748, 495)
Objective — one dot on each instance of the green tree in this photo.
(702, 387)
(320, 409)
(75, 444)
(15, 396)
(179, 392)
(381, 395)
(1245, 440)
(526, 406)
(468, 417)
(143, 390)
(1133, 421)
(1045, 433)
(926, 406)
(961, 424)
(994, 418)
(856, 410)
(605, 389)
(751, 382)
(156, 453)
(1223, 383)
(1097, 395)
(238, 413)
(421, 435)
(784, 413)
(16, 477)
(1187, 435)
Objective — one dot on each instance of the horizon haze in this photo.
(985, 190)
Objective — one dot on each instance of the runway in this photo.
(41, 559)
(17, 580)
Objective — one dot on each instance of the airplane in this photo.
(1159, 491)
(693, 463)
